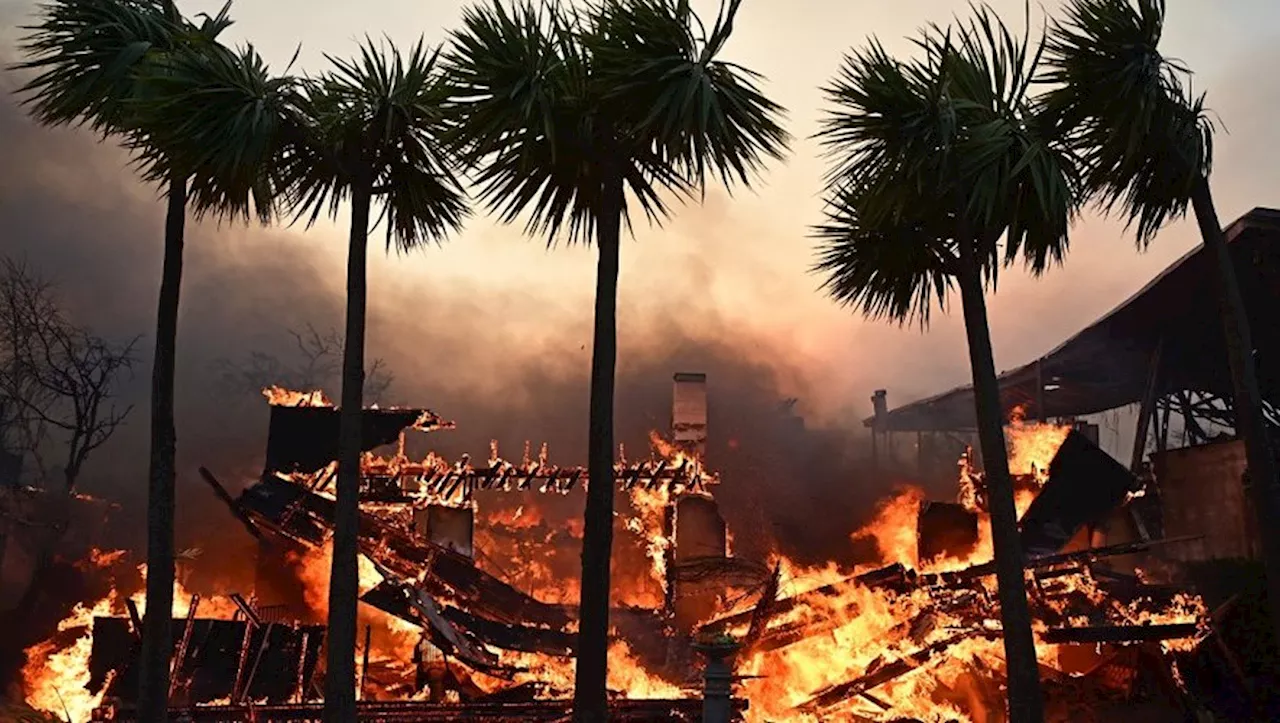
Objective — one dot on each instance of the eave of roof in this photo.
(1106, 365)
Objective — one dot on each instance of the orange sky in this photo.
(743, 260)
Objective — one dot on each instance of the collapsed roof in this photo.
(1107, 365)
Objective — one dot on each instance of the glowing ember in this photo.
(830, 626)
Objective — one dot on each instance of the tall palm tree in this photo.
(1148, 146)
(936, 161)
(565, 112)
(370, 134)
(140, 72)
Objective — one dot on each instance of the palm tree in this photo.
(138, 71)
(1148, 146)
(936, 160)
(370, 131)
(564, 111)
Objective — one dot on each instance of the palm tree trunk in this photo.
(157, 624)
(1250, 423)
(590, 704)
(1025, 702)
(344, 583)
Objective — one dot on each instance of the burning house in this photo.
(1189, 515)
(468, 569)
(457, 624)
(449, 630)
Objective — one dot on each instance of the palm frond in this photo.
(86, 54)
(891, 130)
(220, 116)
(523, 117)
(896, 272)
(1143, 135)
(551, 99)
(377, 119)
(1022, 180)
(663, 84)
(945, 147)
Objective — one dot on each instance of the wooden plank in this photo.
(1120, 634)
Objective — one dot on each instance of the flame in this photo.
(280, 397)
(56, 671)
(626, 675)
(55, 676)
(1032, 445)
(895, 527)
(394, 639)
(832, 630)
(649, 522)
(99, 559)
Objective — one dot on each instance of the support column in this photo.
(717, 691)
(880, 407)
(1146, 408)
(1149, 397)
(1040, 415)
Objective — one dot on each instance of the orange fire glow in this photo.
(836, 630)
(57, 670)
(281, 397)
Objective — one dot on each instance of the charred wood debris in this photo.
(224, 667)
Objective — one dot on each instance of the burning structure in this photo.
(469, 567)
(469, 594)
(1162, 353)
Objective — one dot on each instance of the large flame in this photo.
(1032, 445)
(56, 671)
(835, 629)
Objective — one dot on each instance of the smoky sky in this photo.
(507, 357)
(75, 214)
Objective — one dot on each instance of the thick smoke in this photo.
(75, 213)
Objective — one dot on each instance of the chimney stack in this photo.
(689, 413)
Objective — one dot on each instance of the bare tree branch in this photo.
(55, 376)
(314, 364)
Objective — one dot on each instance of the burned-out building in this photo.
(1163, 353)
(1188, 513)
(418, 532)
(911, 635)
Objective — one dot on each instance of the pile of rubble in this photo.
(916, 638)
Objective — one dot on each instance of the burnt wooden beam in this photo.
(180, 655)
(763, 610)
(836, 694)
(893, 577)
(232, 505)
(300, 682)
(364, 663)
(135, 618)
(948, 579)
(1120, 633)
(253, 670)
(245, 609)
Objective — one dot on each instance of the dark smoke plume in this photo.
(76, 213)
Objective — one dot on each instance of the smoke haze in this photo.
(495, 332)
